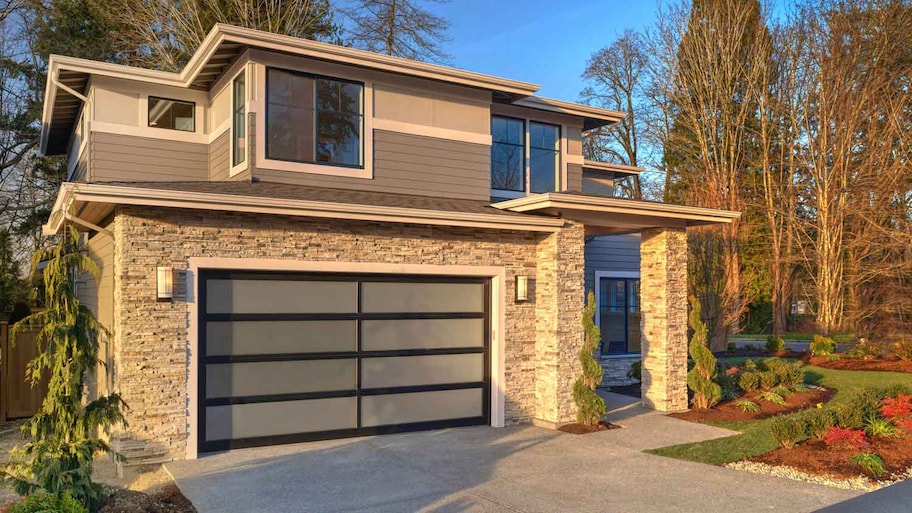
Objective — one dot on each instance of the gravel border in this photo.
(857, 483)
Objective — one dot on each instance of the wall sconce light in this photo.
(165, 282)
(522, 288)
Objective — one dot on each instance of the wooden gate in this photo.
(18, 399)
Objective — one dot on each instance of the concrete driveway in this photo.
(483, 469)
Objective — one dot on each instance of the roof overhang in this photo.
(223, 44)
(612, 171)
(606, 216)
(593, 117)
(88, 205)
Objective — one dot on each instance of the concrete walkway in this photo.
(483, 469)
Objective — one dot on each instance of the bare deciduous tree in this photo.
(402, 28)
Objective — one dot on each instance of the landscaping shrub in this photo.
(750, 365)
(903, 349)
(818, 421)
(747, 406)
(861, 405)
(731, 347)
(590, 406)
(866, 350)
(700, 379)
(749, 381)
(775, 344)
(729, 384)
(870, 463)
(822, 346)
(788, 430)
(772, 396)
(43, 502)
(844, 438)
(635, 372)
(768, 379)
(882, 428)
(897, 407)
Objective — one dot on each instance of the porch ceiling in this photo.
(611, 216)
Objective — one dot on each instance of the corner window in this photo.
(172, 114)
(239, 128)
(314, 119)
(524, 161)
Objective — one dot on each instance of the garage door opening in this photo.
(288, 357)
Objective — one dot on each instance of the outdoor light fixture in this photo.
(165, 283)
(522, 288)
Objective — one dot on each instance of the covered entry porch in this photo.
(663, 304)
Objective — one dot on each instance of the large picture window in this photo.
(521, 161)
(314, 119)
(239, 120)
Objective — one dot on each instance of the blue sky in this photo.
(546, 43)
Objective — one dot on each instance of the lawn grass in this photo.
(802, 337)
(756, 438)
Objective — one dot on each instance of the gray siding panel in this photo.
(574, 178)
(219, 157)
(611, 253)
(117, 157)
(410, 164)
(98, 296)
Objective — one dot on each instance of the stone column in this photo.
(558, 326)
(663, 300)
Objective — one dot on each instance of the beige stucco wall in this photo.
(541, 337)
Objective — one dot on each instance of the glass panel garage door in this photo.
(291, 357)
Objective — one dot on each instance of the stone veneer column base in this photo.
(663, 300)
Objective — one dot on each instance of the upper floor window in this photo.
(238, 119)
(521, 161)
(172, 114)
(314, 119)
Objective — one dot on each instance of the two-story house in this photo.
(303, 241)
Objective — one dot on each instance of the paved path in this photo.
(482, 469)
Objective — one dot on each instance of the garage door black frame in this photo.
(204, 317)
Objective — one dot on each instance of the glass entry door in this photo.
(619, 315)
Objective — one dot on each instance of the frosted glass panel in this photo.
(274, 337)
(281, 296)
(421, 334)
(379, 297)
(421, 370)
(381, 410)
(267, 378)
(280, 418)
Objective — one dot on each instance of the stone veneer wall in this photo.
(150, 338)
(663, 300)
(615, 370)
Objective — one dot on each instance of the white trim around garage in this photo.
(498, 305)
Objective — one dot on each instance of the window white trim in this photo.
(233, 169)
(497, 275)
(258, 106)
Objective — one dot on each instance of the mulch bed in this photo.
(815, 458)
(890, 364)
(582, 429)
(728, 412)
(168, 499)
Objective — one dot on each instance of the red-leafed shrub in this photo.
(904, 424)
(844, 438)
(899, 407)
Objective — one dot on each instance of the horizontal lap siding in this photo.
(410, 164)
(117, 157)
(219, 157)
(98, 296)
(611, 253)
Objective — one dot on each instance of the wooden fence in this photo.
(18, 399)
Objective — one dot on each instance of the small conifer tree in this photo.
(63, 437)
(700, 380)
(590, 406)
